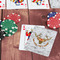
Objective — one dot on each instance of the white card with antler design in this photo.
(26, 31)
(41, 41)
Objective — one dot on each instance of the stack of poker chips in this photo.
(8, 26)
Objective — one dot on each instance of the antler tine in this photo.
(35, 34)
(46, 36)
(40, 34)
(48, 39)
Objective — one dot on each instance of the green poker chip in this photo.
(9, 27)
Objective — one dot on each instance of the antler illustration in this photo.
(40, 39)
(40, 45)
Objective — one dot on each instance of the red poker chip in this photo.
(15, 17)
(54, 22)
(4, 18)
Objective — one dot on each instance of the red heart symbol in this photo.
(25, 4)
(54, 22)
(43, 4)
(0, 2)
(0, 6)
(22, 4)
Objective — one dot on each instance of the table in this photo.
(10, 45)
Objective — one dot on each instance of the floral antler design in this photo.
(42, 40)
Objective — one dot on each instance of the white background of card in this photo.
(3, 2)
(12, 5)
(23, 36)
(35, 6)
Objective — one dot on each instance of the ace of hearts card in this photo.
(41, 41)
(16, 4)
(26, 31)
(2, 4)
(38, 4)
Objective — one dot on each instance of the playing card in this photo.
(26, 31)
(16, 4)
(2, 4)
(55, 3)
(41, 41)
(38, 4)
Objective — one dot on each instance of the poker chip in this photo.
(4, 18)
(0, 24)
(54, 22)
(2, 34)
(13, 16)
(9, 27)
(51, 14)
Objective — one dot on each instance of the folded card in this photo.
(41, 41)
(26, 31)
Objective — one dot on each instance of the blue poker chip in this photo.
(51, 14)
